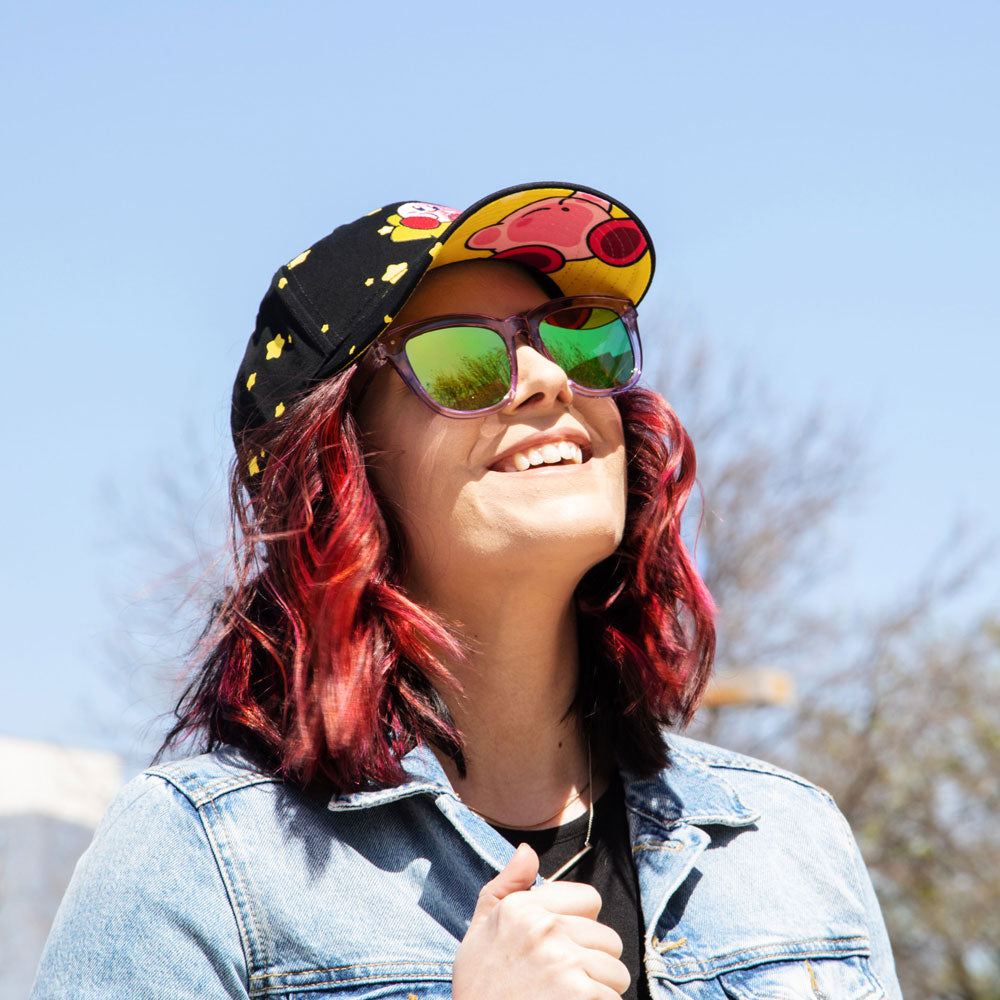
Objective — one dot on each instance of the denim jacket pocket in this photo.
(389, 981)
(823, 978)
(810, 969)
(805, 979)
(376, 991)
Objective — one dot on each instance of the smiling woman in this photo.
(469, 516)
(462, 621)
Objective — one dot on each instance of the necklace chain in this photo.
(493, 821)
(559, 872)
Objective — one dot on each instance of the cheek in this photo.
(616, 489)
(605, 420)
(417, 459)
(398, 465)
(385, 435)
(608, 423)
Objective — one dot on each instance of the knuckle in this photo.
(486, 894)
(503, 911)
(617, 945)
(584, 986)
(512, 911)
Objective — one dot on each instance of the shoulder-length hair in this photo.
(317, 664)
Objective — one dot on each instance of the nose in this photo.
(540, 381)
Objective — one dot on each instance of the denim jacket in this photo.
(208, 878)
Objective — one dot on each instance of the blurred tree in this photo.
(771, 483)
(907, 739)
(897, 714)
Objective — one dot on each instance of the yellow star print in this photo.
(274, 348)
(298, 260)
(279, 409)
(251, 380)
(394, 272)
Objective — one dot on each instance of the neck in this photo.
(525, 751)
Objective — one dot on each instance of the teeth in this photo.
(547, 454)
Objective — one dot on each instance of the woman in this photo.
(434, 698)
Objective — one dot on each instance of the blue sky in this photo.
(822, 182)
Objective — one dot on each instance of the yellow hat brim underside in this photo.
(589, 276)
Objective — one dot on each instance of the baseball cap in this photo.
(328, 304)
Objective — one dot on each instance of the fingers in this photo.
(606, 971)
(518, 875)
(543, 943)
(590, 934)
(570, 898)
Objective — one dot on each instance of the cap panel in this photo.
(346, 285)
(587, 243)
(328, 304)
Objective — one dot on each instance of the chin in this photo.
(566, 536)
(528, 530)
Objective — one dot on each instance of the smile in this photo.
(551, 453)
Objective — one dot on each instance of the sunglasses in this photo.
(466, 365)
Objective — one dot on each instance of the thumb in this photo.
(518, 874)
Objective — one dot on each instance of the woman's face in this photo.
(465, 510)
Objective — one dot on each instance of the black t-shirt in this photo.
(607, 866)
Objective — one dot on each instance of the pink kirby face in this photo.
(423, 215)
(559, 223)
(552, 231)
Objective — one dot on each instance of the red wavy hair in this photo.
(318, 665)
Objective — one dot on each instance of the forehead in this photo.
(489, 288)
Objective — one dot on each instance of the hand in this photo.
(545, 944)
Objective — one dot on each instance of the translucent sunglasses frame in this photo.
(391, 347)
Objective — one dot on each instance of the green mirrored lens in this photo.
(591, 345)
(461, 367)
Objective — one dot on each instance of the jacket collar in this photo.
(426, 776)
(687, 791)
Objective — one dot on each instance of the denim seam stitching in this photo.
(738, 994)
(228, 878)
(689, 966)
(257, 990)
(420, 968)
(388, 796)
(199, 793)
(753, 767)
(216, 790)
(879, 992)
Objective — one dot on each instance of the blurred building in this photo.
(51, 799)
